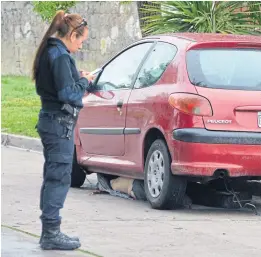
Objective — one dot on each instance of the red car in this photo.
(174, 108)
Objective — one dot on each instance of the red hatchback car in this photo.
(173, 108)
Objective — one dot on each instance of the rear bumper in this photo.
(199, 152)
(197, 135)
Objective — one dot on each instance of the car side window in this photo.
(155, 65)
(120, 72)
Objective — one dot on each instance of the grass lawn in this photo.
(20, 106)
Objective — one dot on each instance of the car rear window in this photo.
(238, 69)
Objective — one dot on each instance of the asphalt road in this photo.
(115, 227)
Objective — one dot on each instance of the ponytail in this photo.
(61, 24)
(53, 28)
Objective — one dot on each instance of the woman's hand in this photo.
(87, 75)
(90, 77)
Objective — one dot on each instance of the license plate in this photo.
(259, 119)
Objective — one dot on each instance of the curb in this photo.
(28, 143)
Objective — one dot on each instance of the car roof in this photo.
(208, 37)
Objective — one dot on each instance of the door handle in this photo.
(119, 104)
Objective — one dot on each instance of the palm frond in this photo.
(226, 17)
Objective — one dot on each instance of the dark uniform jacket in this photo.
(57, 80)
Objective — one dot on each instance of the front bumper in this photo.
(200, 152)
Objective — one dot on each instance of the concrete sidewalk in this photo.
(18, 244)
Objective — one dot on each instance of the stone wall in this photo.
(112, 26)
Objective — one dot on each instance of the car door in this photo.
(148, 102)
(102, 120)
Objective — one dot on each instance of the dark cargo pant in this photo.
(58, 154)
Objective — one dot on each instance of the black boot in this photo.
(73, 238)
(54, 239)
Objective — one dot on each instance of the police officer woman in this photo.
(61, 88)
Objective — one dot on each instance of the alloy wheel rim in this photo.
(156, 172)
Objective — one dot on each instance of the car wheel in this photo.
(78, 174)
(163, 190)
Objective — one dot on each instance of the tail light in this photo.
(191, 104)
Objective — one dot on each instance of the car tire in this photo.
(163, 190)
(78, 174)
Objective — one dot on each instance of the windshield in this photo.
(225, 68)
